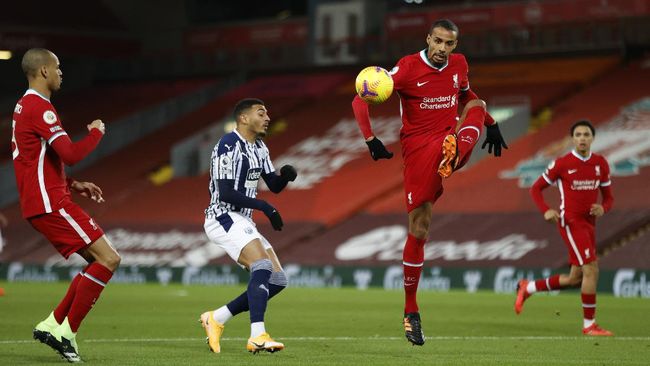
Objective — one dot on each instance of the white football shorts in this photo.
(241, 232)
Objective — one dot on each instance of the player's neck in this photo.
(41, 89)
(583, 153)
(247, 135)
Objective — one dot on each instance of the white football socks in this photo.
(257, 329)
(222, 315)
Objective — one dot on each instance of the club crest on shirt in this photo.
(597, 167)
(49, 117)
(455, 79)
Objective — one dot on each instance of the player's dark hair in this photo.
(445, 23)
(244, 105)
(583, 122)
(34, 59)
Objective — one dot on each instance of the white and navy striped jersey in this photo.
(234, 158)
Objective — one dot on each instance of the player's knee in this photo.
(262, 264)
(112, 261)
(476, 103)
(279, 279)
(420, 231)
(575, 281)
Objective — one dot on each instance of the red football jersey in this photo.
(39, 171)
(429, 95)
(578, 180)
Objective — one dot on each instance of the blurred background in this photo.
(165, 75)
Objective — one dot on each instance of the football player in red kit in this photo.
(431, 85)
(40, 147)
(579, 176)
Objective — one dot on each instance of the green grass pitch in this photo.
(156, 325)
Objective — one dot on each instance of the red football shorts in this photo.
(421, 180)
(580, 238)
(69, 229)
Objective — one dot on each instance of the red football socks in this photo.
(88, 290)
(548, 284)
(469, 133)
(589, 306)
(62, 309)
(413, 259)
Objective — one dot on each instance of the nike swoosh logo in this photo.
(572, 171)
(420, 84)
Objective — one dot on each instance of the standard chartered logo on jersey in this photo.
(628, 284)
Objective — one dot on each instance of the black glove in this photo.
(378, 150)
(494, 140)
(289, 173)
(274, 216)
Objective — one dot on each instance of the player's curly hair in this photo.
(445, 23)
(583, 122)
(244, 105)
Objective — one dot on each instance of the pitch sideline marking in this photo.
(304, 339)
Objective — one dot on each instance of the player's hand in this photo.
(289, 173)
(551, 215)
(98, 124)
(274, 216)
(88, 190)
(378, 150)
(494, 140)
(597, 210)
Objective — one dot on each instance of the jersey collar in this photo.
(575, 153)
(34, 92)
(241, 137)
(423, 56)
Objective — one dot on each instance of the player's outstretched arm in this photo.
(494, 140)
(229, 194)
(73, 152)
(277, 183)
(362, 115)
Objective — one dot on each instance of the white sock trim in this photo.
(531, 288)
(586, 323)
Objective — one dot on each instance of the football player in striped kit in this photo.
(239, 159)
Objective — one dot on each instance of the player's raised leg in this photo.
(214, 321)
(457, 147)
(412, 261)
(526, 288)
(90, 285)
